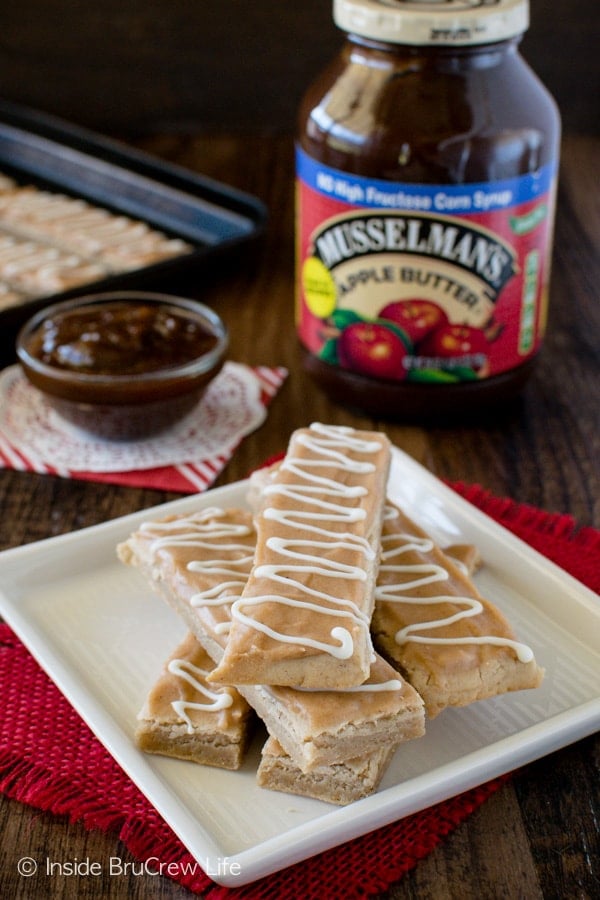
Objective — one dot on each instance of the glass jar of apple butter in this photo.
(426, 165)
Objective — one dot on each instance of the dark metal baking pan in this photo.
(213, 218)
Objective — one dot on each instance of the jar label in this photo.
(424, 283)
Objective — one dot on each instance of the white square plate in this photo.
(102, 635)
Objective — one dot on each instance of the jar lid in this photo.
(443, 23)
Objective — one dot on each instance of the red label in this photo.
(424, 283)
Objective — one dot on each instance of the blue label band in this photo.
(457, 199)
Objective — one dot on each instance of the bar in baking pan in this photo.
(67, 174)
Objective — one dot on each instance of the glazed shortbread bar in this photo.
(199, 564)
(430, 621)
(303, 617)
(466, 556)
(76, 227)
(34, 268)
(321, 727)
(341, 783)
(186, 718)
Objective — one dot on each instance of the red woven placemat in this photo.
(51, 760)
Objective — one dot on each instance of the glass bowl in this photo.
(124, 365)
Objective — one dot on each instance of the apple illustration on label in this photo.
(372, 349)
(417, 318)
(454, 340)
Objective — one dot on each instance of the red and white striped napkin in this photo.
(186, 459)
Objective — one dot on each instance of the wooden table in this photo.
(538, 836)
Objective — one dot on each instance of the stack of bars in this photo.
(288, 609)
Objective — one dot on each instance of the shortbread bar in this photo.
(199, 564)
(73, 226)
(321, 727)
(186, 718)
(303, 618)
(430, 621)
(341, 783)
(466, 556)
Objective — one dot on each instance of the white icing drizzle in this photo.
(193, 531)
(201, 531)
(324, 500)
(430, 573)
(198, 523)
(219, 699)
(463, 567)
(343, 650)
(394, 684)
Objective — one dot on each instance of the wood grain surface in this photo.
(538, 836)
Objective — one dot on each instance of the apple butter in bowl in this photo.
(125, 365)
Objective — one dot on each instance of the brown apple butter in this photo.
(120, 338)
(427, 156)
(125, 365)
